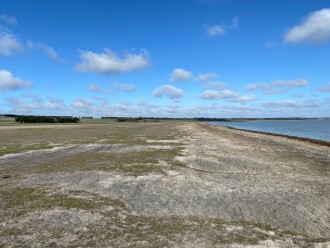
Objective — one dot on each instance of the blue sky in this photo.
(184, 58)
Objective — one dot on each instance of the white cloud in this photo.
(9, 83)
(180, 74)
(9, 45)
(291, 104)
(290, 84)
(216, 30)
(326, 88)
(36, 105)
(237, 107)
(220, 29)
(215, 85)
(83, 104)
(203, 77)
(221, 94)
(122, 109)
(101, 107)
(314, 28)
(109, 62)
(277, 86)
(263, 86)
(244, 99)
(169, 91)
(145, 104)
(207, 108)
(47, 50)
(211, 95)
(172, 108)
(8, 19)
(124, 87)
(96, 88)
(217, 90)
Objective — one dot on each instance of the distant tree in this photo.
(46, 119)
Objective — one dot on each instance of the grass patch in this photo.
(24, 200)
(18, 149)
(110, 132)
(130, 163)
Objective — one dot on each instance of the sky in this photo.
(155, 58)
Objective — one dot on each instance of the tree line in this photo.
(46, 119)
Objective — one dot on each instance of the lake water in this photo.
(313, 129)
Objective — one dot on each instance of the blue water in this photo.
(313, 129)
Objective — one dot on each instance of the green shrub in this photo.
(46, 119)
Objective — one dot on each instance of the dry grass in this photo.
(27, 212)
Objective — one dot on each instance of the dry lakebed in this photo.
(160, 184)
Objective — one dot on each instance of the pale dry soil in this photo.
(167, 184)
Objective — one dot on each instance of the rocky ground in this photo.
(168, 184)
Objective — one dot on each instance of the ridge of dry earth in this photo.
(167, 184)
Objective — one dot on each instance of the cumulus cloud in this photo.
(10, 83)
(314, 28)
(47, 50)
(81, 103)
(277, 86)
(33, 104)
(9, 19)
(290, 84)
(95, 106)
(244, 99)
(99, 106)
(204, 77)
(221, 94)
(291, 104)
(109, 62)
(169, 91)
(180, 75)
(325, 88)
(123, 87)
(216, 90)
(9, 45)
(215, 85)
(172, 108)
(145, 104)
(96, 88)
(221, 29)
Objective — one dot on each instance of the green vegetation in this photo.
(32, 199)
(89, 131)
(46, 119)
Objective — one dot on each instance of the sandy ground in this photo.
(232, 189)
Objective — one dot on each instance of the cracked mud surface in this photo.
(171, 184)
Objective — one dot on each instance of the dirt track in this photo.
(227, 178)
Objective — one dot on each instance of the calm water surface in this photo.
(313, 129)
